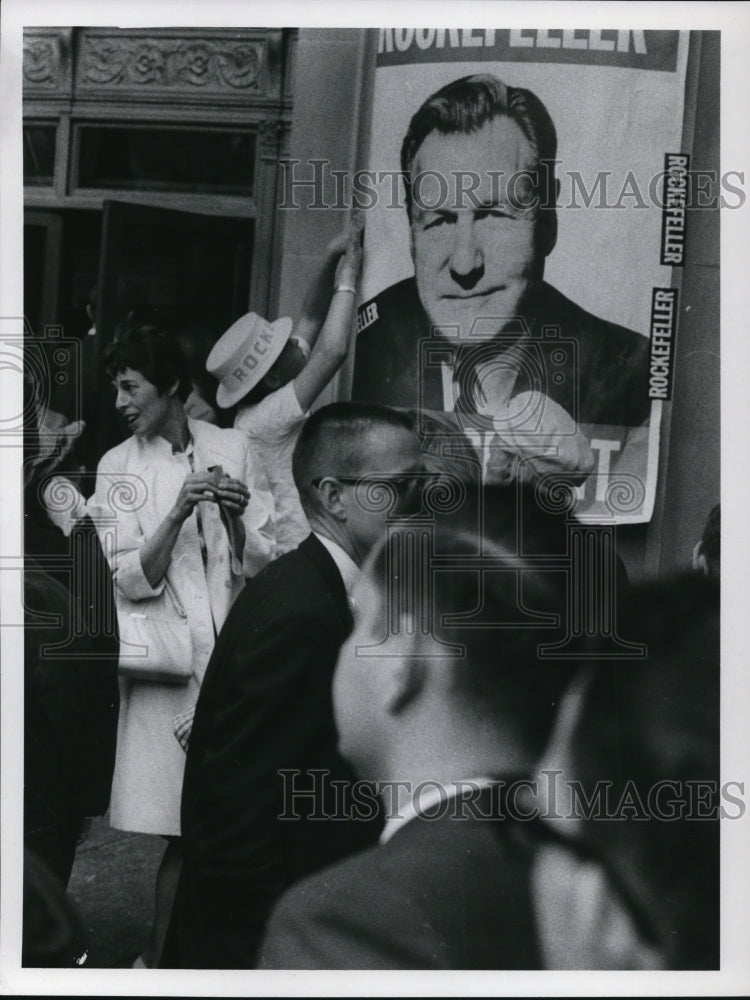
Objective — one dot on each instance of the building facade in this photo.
(153, 172)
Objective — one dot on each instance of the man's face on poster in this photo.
(477, 254)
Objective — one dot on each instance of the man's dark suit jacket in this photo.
(596, 370)
(447, 893)
(265, 706)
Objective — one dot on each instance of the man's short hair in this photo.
(154, 353)
(500, 676)
(330, 442)
(465, 105)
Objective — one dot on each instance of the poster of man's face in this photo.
(512, 250)
(476, 252)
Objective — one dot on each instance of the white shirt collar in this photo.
(424, 798)
(160, 444)
(346, 565)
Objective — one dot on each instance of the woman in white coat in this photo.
(159, 515)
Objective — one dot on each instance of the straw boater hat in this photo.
(244, 354)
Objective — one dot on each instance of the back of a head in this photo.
(651, 724)
(485, 604)
(333, 442)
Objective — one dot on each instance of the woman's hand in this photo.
(199, 487)
(196, 487)
(232, 494)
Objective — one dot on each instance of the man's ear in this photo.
(408, 674)
(700, 563)
(172, 390)
(408, 682)
(329, 495)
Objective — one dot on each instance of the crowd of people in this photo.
(319, 654)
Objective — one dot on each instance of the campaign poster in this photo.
(524, 206)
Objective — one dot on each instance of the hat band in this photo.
(244, 361)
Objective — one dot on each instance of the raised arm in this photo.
(332, 345)
(318, 297)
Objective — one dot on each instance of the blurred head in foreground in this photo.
(628, 874)
(442, 677)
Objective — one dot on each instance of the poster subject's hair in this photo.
(467, 104)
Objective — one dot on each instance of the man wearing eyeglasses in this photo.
(264, 799)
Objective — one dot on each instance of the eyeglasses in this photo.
(400, 483)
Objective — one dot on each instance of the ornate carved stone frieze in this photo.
(217, 66)
(46, 64)
(269, 132)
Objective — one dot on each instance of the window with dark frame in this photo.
(39, 142)
(166, 158)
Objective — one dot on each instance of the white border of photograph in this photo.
(733, 19)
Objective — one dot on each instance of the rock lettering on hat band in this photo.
(251, 362)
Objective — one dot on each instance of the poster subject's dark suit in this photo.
(596, 370)
(264, 707)
(445, 893)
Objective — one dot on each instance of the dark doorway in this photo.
(189, 270)
(193, 270)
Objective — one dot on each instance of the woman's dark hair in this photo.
(155, 354)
